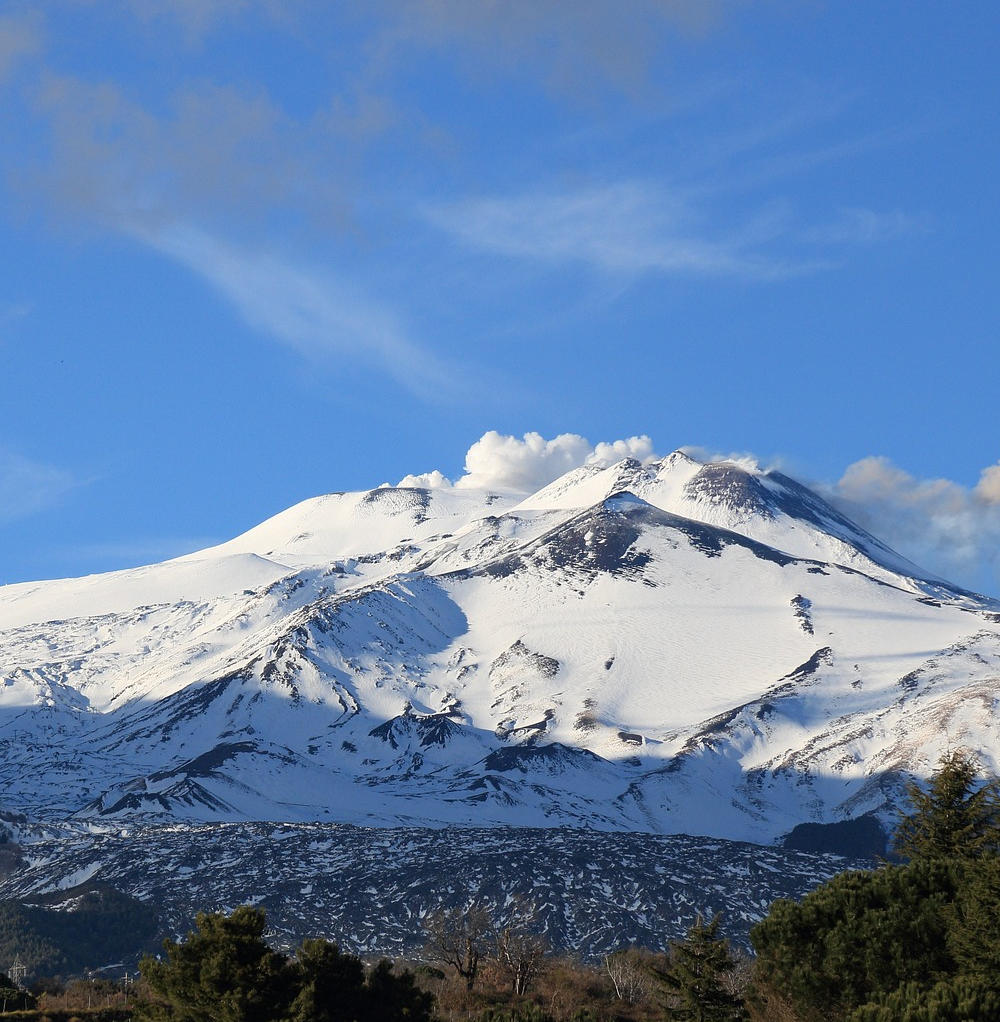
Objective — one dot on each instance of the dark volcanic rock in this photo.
(369, 889)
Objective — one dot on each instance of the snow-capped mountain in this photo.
(674, 647)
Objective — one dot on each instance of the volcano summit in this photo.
(674, 647)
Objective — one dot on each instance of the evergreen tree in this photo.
(905, 943)
(331, 984)
(693, 977)
(395, 997)
(222, 972)
(225, 972)
(955, 818)
(333, 987)
(956, 999)
(856, 937)
(974, 921)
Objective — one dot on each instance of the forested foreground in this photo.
(917, 941)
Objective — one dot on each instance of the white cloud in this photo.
(28, 486)
(568, 48)
(626, 229)
(311, 311)
(208, 153)
(745, 460)
(638, 447)
(988, 488)
(425, 480)
(497, 462)
(522, 465)
(946, 528)
(225, 156)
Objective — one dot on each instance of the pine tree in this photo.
(330, 984)
(974, 931)
(222, 972)
(856, 938)
(395, 997)
(225, 972)
(693, 978)
(905, 943)
(956, 999)
(955, 818)
(333, 987)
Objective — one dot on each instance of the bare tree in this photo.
(737, 980)
(460, 937)
(519, 950)
(628, 975)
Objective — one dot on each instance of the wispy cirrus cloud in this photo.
(222, 157)
(28, 486)
(563, 47)
(626, 228)
(724, 208)
(195, 17)
(202, 167)
(311, 311)
(630, 228)
(213, 153)
(859, 226)
(569, 49)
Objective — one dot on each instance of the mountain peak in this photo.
(728, 485)
(687, 628)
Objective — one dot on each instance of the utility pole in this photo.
(18, 971)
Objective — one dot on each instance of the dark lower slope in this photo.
(69, 932)
(369, 888)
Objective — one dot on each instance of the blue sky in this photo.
(254, 251)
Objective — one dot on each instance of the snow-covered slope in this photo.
(676, 647)
(376, 532)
